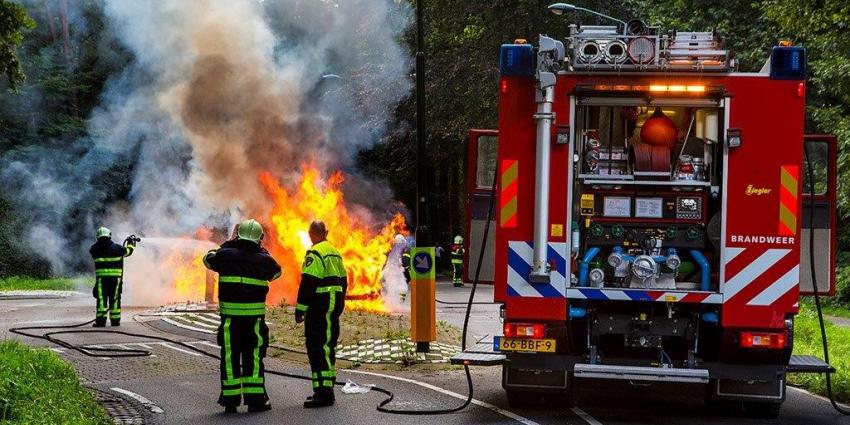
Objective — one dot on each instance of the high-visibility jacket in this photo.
(109, 257)
(321, 272)
(244, 271)
(457, 253)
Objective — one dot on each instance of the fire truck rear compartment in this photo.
(646, 206)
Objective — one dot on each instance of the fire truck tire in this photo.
(758, 409)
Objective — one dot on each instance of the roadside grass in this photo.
(829, 310)
(23, 283)
(807, 340)
(37, 387)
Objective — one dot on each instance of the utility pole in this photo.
(423, 283)
(423, 233)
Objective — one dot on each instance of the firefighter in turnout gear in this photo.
(321, 300)
(457, 261)
(109, 275)
(244, 270)
(405, 264)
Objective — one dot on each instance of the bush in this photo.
(842, 281)
(15, 258)
(37, 387)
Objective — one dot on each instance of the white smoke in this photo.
(395, 288)
(217, 91)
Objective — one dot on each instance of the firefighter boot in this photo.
(230, 408)
(321, 398)
(265, 407)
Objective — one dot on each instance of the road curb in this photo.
(122, 409)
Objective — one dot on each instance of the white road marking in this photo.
(476, 402)
(96, 353)
(587, 418)
(58, 350)
(165, 344)
(208, 343)
(184, 326)
(147, 403)
(213, 321)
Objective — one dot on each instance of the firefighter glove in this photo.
(299, 316)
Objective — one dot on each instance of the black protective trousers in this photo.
(321, 329)
(107, 291)
(244, 342)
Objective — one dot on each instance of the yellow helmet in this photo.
(458, 239)
(250, 230)
(103, 232)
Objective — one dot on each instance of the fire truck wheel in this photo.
(762, 410)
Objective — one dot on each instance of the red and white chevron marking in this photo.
(760, 277)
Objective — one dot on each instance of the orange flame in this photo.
(364, 251)
(188, 272)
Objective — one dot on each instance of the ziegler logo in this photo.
(758, 191)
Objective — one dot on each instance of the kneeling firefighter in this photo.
(109, 275)
(321, 299)
(244, 270)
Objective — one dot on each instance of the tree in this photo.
(13, 22)
(820, 27)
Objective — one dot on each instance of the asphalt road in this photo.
(184, 385)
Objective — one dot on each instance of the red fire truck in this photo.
(651, 214)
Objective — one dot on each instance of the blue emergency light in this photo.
(788, 63)
(516, 60)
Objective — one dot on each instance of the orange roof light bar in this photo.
(681, 89)
(677, 88)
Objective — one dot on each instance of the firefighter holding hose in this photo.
(321, 299)
(108, 259)
(244, 270)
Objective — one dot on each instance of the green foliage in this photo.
(17, 258)
(37, 387)
(807, 340)
(65, 80)
(13, 22)
(21, 283)
(741, 22)
(842, 282)
(821, 27)
(462, 50)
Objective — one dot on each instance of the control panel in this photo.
(645, 206)
(632, 235)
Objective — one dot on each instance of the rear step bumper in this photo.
(641, 373)
(480, 354)
(808, 364)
